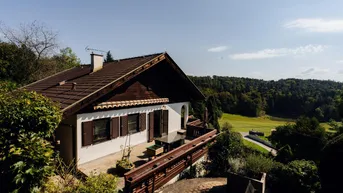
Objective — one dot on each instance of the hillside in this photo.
(289, 98)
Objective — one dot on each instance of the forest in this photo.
(287, 98)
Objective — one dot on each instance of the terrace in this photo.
(171, 162)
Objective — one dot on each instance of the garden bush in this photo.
(93, 184)
(27, 122)
(257, 164)
(299, 176)
(226, 127)
(228, 144)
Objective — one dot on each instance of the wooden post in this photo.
(205, 118)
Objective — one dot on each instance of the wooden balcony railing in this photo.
(154, 174)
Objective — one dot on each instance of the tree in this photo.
(27, 123)
(109, 57)
(17, 63)
(35, 36)
(227, 145)
(289, 98)
(298, 176)
(305, 138)
(214, 111)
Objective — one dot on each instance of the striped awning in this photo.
(116, 104)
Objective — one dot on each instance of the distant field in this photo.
(264, 124)
(244, 124)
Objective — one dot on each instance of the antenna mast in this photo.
(94, 50)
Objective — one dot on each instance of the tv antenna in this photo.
(94, 50)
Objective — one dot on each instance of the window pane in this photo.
(133, 123)
(101, 130)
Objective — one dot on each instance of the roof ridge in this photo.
(130, 58)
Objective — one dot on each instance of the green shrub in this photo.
(226, 127)
(285, 154)
(29, 112)
(98, 184)
(93, 184)
(30, 162)
(27, 121)
(228, 144)
(236, 165)
(299, 176)
(257, 164)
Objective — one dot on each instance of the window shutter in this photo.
(165, 121)
(142, 121)
(124, 126)
(115, 127)
(151, 126)
(87, 133)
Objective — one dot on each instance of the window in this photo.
(133, 123)
(101, 130)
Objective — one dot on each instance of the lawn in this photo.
(264, 124)
(244, 124)
(255, 146)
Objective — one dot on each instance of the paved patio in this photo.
(107, 163)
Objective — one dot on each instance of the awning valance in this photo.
(116, 104)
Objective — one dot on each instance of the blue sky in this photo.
(267, 39)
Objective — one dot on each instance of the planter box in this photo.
(154, 150)
(240, 184)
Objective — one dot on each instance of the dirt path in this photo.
(196, 185)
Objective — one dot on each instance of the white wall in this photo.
(92, 152)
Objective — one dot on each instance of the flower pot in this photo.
(123, 166)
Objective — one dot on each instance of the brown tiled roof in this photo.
(91, 86)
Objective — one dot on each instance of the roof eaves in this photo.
(46, 78)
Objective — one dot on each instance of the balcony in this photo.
(152, 172)
(157, 172)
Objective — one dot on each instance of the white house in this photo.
(102, 103)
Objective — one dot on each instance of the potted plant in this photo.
(124, 165)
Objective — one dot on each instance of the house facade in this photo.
(109, 105)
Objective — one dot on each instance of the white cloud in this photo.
(279, 52)
(314, 70)
(217, 49)
(339, 61)
(316, 25)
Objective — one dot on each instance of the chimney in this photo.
(97, 62)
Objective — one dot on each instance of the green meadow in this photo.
(264, 124)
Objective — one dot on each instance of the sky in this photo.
(265, 39)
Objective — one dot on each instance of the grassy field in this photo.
(244, 124)
(264, 124)
(255, 146)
